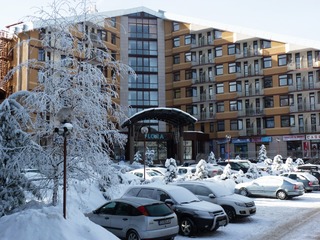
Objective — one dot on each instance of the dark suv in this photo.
(236, 165)
(194, 215)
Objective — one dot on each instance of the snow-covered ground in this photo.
(275, 219)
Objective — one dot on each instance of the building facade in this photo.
(246, 90)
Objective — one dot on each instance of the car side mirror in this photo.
(211, 195)
(169, 202)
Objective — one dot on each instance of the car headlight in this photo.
(240, 204)
(202, 213)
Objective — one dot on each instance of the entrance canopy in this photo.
(173, 116)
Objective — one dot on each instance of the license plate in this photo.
(165, 221)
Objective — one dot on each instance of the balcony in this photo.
(249, 54)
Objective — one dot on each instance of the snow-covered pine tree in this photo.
(15, 143)
(149, 156)
(201, 169)
(212, 158)
(79, 78)
(137, 157)
(172, 169)
(262, 153)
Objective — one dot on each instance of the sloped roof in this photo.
(172, 116)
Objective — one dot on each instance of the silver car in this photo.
(136, 218)
(194, 216)
(233, 204)
(271, 186)
(309, 181)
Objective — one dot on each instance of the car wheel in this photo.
(231, 213)
(243, 192)
(282, 195)
(133, 235)
(187, 227)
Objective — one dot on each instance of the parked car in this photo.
(186, 171)
(236, 164)
(233, 204)
(271, 186)
(151, 175)
(161, 170)
(136, 218)
(309, 181)
(194, 215)
(214, 169)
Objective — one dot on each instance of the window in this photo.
(187, 39)
(187, 57)
(232, 86)
(220, 126)
(176, 59)
(217, 34)
(41, 55)
(309, 59)
(268, 102)
(269, 122)
(211, 127)
(233, 49)
(236, 124)
(190, 74)
(220, 106)
(219, 69)
(285, 80)
(176, 93)
(282, 60)
(233, 106)
(176, 42)
(113, 38)
(267, 82)
(287, 121)
(234, 67)
(176, 76)
(219, 88)
(284, 101)
(175, 26)
(191, 92)
(265, 44)
(218, 51)
(267, 62)
(113, 22)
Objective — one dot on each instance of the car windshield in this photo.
(183, 195)
(244, 164)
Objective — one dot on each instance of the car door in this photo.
(103, 216)
(121, 219)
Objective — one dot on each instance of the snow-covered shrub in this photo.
(171, 172)
(212, 158)
(262, 156)
(201, 170)
(149, 156)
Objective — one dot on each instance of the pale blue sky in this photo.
(295, 18)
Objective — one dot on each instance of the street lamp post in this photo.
(64, 131)
(144, 131)
(228, 137)
(278, 143)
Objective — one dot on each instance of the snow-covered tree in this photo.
(299, 161)
(137, 157)
(172, 170)
(289, 165)
(15, 143)
(212, 158)
(262, 153)
(76, 85)
(238, 157)
(149, 156)
(201, 170)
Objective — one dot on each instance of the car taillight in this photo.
(310, 184)
(296, 186)
(143, 210)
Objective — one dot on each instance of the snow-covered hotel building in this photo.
(256, 87)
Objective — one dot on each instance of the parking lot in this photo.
(275, 219)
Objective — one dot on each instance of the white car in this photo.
(186, 171)
(216, 192)
(150, 174)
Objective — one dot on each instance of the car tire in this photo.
(187, 227)
(132, 235)
(231, 213)
(243, 192)
(282, 195)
